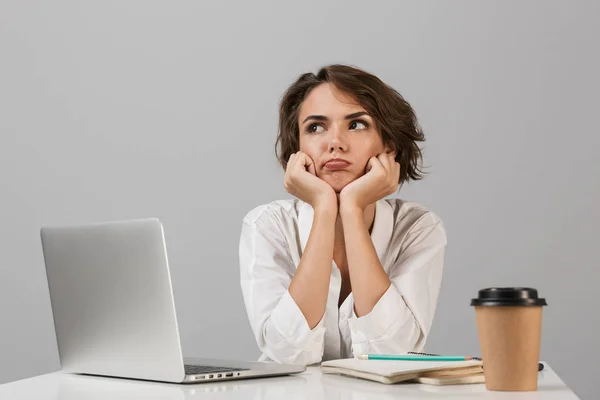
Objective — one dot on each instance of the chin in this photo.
(338, 184)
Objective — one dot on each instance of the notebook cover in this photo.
(452, 380)
(371, 376)
(441, 373)
(388, 372)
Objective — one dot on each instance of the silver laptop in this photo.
(114, 314)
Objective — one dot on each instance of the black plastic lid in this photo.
(508, 297)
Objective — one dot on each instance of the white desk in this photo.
(309, 385)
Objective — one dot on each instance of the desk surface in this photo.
(309, 385)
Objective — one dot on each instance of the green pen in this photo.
(409, 357)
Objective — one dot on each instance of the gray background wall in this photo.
(112, 110)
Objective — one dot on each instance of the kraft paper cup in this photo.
(509, 324)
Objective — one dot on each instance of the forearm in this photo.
(367, 276)
(310, 285)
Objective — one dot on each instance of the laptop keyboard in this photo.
(207, 369)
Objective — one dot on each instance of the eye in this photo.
(358, 125)
(315, 128)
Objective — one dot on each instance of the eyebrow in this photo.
(324, 118)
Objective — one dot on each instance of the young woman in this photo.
(341, 271)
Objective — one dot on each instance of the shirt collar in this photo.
(380, 235)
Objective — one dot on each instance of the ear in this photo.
(389, 147)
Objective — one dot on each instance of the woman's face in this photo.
(334, 126)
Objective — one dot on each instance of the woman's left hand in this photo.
(380, 180)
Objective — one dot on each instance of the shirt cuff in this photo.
(375, 324)
(289, 321)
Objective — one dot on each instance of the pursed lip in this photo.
(336, 164)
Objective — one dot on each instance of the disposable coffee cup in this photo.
(509, 324)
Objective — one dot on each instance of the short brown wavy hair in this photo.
(394, 118)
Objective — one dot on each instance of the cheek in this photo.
(370, 147)
(313, 147)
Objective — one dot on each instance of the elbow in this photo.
(400, 338)
(303, 350)
(292, 356)
(305, 359)
(417, 338)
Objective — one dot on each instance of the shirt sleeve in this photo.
(401, 320)
(266, 270)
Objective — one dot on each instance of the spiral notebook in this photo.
(390, 372)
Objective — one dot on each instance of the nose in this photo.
(336, 141)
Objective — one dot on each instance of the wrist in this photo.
(350, 210)
(327, 210)
(349, 203)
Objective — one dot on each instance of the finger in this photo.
(374, 163)
(300, 156)
(385, 161)
(306, 163)
(369, 165)
(309, 164)
(299, 160)
(393, 163)
(393, 168)
(290, 162)
(311, 168)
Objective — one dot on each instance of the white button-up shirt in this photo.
(410, 243)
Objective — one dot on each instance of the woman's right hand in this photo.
(301, 181)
